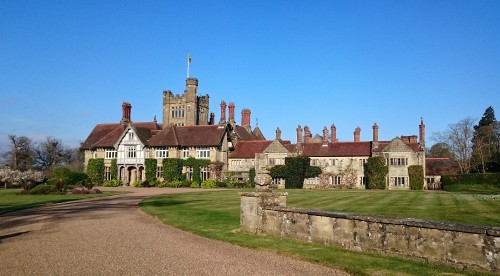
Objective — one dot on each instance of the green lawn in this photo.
(11, 200)
(216, 215)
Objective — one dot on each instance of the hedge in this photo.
(172, 169)
(375, 172)
(151, 165)
(95, 170)
(416, 173)
(472, 179)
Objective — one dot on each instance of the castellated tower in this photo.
(188, 109)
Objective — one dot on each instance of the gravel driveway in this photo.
(111, 236)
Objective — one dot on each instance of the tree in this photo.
(50, 153)
(21, 155)
(459, 137)
(486, 143)
(440, 150)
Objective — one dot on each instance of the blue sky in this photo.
(66, 66)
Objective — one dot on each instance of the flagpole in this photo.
(188, 61)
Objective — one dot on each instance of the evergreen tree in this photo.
(486, 143)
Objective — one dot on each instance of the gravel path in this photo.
(111, 236)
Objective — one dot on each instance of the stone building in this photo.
(342, 163)
(186, 131)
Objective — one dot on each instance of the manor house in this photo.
(189, 130)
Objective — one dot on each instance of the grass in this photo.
(217, 215)
(12, 200)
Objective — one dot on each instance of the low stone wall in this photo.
(437, 242)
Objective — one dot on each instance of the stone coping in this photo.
(260, 193)
(420, 223)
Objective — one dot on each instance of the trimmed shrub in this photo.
(136, 183)
(43, 189)
(278, 171)
(194, 185)
(209, 184)
(151, 165)
(112, 183)
(114, 169)
(95, 170)
(68, 177)
(472, 179)
(296, 171)
(251, 176)
(375, 173)
(175, 184)
(416, 173)
(172, 169)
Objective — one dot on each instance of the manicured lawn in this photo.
(217, 215)
(11, 200)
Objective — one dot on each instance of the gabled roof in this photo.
(189, 136)
(385, 145)
(247, 135)
(107, 135)
(248, 149)
(336, 149)
(439, 166)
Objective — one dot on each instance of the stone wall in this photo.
(437, 242)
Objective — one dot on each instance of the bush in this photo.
(95, 170)
(43, 189)
(175, 184)
(68, 177)
(296, 168)
(136, 183)
(77, 191)
(112, 183)
(209, 184)
(375, 172)
(194, 185)
(416, 173)
(231, 184)
(471, 179)
(162, 184)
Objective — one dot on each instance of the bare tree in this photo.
(49, 154)
(458, 137)
(20, 156)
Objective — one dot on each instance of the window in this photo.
(185, 153)
(315, 162)
(276, 161)
(399, 181)
(130, 152)
(161, 153)
(362, 162)
(333, 162)
(159, 172)
(110, 154)
(107, 173)
(398, 161)
(362, 181)
(189, 174)
(203, 153)
(178, 111)
(337, 180)
(130, 136)
(204, 173)
(236, 162)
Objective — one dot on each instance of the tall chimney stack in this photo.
(278, 134)
(375, 132)
(307, 135)
(325, 136)
(299, 135)
(231, 112)
(245, 118)
(334, 133)
(212, 118)
(222, 112)
(421, 129)
(357, 134)
(126, 112)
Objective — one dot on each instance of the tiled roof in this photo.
(248, 149)
(106, 135)
(336, 149)
(189, 136)
(439, 166)
(382, 144)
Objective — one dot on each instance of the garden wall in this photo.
(437, 242)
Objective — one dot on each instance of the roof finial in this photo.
(257, 121)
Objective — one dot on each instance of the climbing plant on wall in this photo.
(196, 165)
(172, 169)
(95, 170)
(114, 169)
(151, 165)
(416, 173)
(375, 172)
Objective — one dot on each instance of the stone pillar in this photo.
(252, 208)
(334, 133)
(357, 134)
(222, 112)
(231, 112)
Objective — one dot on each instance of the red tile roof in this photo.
(247, 135)
(336, 149)
(439, 166)
(248, 149)
(106, 135)
(189, 136)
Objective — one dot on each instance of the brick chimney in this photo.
(212, 118)
(245, 118)
(325, 136)
(222, 112)
(334, 133)
(357, 134)
(375, 132)
(126, 112)
(421, 132)
(299, 135)
(231, 112)
(307, 135)
(278, 133)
